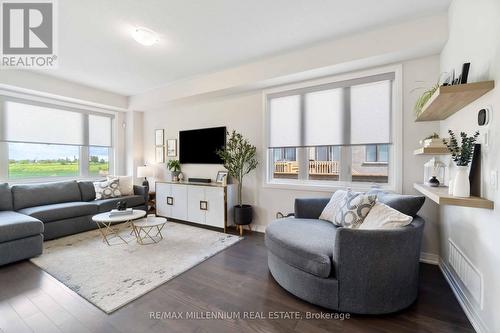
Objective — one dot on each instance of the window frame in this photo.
(83, 149)
(377, 162)
(395, 150)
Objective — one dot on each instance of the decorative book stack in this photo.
(116, 212)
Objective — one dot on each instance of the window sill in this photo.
(323, 187)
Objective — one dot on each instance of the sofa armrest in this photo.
(143, 191)
(310, 208)
(377, 270)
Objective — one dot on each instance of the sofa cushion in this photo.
(107, 189)
(32, 195)
(16, 226)
(5, 197)
(87, 191)
(60, 211)
(405, 203)
(306, 244)
(106, 205)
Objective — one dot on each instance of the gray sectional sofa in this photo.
(32, 213)
(349, 270)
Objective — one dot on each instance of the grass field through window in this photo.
(19, 169)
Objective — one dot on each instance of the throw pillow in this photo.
(405, 203)
(382, 216)
(125, 184)
(355, 207)
(107, 189)
(331, 209)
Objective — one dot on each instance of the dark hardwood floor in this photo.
(236, 279)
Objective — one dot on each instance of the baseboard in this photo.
(429, 258)
(461, 296)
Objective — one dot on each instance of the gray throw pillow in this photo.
(405, 203)
(354, 209)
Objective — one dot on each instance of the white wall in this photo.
(475, 37)
(243, 112)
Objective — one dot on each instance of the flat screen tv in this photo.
(199, 146)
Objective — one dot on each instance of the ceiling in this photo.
(197, 37)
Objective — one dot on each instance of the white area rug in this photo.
(112, 276)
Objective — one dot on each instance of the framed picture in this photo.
(159, 137)
(159, 155)
(171, 147)
(221, 175)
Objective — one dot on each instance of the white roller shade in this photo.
(371, 113)
(324, 118)
(100, 131)
(285, 121)
(38, 124)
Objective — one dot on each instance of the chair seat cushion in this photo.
(61, 211)
(306, 244)
(106, 205)
(16, 226)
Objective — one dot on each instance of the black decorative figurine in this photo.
(433, 182)
(121, 205)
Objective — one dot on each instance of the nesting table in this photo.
(148, 230)
(105, 223)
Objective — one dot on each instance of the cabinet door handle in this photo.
(170, 201)
(203, 205)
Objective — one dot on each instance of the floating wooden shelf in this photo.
(449, 99)
(431, 151)
(440, 196)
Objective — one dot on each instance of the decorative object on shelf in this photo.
(239, 157)
(145, 171)
(159, 154)
(435, 172)
(424, 98)
(462, 155)
(221, 176)
(465, 73)
(180, 176)
(175, 169)
(172, 148)
(159, 137)
(121, 205)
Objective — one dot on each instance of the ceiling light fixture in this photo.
(145, 36)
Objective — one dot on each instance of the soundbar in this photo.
(199, 180)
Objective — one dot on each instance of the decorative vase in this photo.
(461, 184)
(433, 182)
(175, 176)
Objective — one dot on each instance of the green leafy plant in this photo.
(461, 154)
(424, 98)
(239, 158)
(174, 165)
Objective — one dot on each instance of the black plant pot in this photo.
(433, 182)
(243, 214)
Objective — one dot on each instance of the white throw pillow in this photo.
(354, 209)
(382, 216)
(125, 183)
(333, 206)
(107, 189)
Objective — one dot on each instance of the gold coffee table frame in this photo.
(148, 230)
(105, 224)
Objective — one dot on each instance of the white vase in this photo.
(461, 185)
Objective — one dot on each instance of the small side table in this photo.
(105, 223)
(148, 230)
(152, 202)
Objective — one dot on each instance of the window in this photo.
(40, 141)
(339, 132)
(377, 154)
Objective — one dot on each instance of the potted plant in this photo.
(239, 159)
(462, 156)
(175, 168)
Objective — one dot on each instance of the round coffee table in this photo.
(104, 223)
(144, 228)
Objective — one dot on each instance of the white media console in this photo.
(202, 203)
